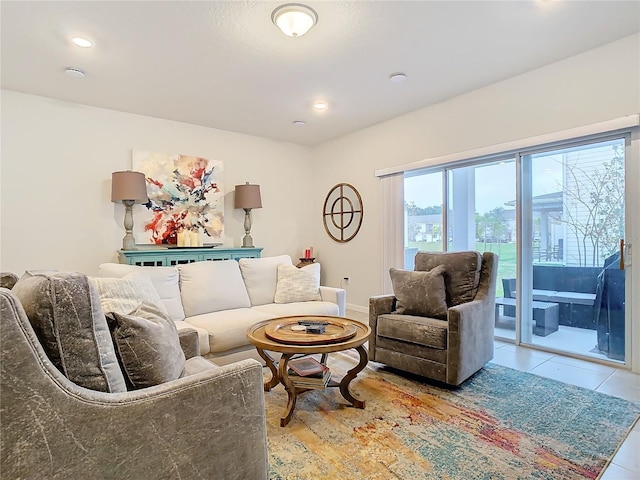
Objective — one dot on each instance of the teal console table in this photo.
(167, 257)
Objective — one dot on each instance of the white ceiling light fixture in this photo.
(397, 77)
(320, 105)
(294, 19)
(81, 42)
(74, 72)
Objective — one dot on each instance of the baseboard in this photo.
(357, 308)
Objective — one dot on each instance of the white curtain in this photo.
(392, 226)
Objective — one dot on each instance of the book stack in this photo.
(307, 372)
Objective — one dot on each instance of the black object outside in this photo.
(609, 308)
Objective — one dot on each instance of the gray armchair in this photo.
(209, 424)
(457, 342)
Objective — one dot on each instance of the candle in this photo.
(180, 238)
(195, 238)
(187, 239)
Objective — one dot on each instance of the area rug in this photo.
(500, 424)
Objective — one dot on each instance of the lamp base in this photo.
(128, 242)
(247, 241)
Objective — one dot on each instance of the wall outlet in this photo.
(345, 280)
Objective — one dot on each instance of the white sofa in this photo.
(221, 299)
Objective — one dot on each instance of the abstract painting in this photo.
(185, 192)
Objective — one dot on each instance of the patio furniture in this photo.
(610, 308)
(545, 314)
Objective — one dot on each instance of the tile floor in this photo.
(601, 378)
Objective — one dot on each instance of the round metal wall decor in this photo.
(342, 212)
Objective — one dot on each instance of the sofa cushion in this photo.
(261, 277)
(411, 329)
(420, 293)
(132, 293)
(64, 310)
(298, 284)
(299, 308)
(165, 279)
(211, 287)
(462, 275)
(228, 329)
(148, 348)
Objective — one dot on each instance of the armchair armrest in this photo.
(335, 295)
(207, 425)
(470, 337)
(378, 305)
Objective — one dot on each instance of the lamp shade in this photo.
(128, 186)
(248, 196)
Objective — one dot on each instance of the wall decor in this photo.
(186, 193)
(342, 212)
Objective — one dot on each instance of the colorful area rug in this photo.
(500, 424)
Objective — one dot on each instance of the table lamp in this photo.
(129, 188)
(247, 197)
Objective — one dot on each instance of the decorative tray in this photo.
(336, 331)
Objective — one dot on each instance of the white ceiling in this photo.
(225, 65)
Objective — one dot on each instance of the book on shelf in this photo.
(310, 381)
(307, 366)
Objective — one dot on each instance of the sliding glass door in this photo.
(573, 222)
(556, 218)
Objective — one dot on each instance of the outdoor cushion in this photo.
(212, 286)
(261, 277)
(543, 295)
(574, 297)
(166, 280)
(412, 329)
(462, 273)
(420, 293)
(64, 310)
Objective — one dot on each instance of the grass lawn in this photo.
(505, 251)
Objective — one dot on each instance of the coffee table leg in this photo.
(291, 390)
(351, 374)
(275, 379)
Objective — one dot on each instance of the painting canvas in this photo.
(185, 192)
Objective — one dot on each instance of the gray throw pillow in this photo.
(420, 293)
(64, 310)
(148, 348)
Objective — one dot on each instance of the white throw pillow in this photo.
(212, 286)
(261, 277)
(133, 294)
(298, 284)
(165, 279)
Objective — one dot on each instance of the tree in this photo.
(594, 207)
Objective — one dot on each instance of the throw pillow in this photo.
(420, 293)
(148, 348)
(132, 293)
(64, 310)
(298, 284)
(462, 273)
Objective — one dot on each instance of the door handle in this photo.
(622, 254)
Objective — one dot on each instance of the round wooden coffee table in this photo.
(276, 336)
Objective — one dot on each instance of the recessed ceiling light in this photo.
(299, 123)
(320, 105)
(81, 42)
(74, 72)
(397, 77)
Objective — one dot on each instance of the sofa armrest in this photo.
(378, 305)
(189, 342)
(335, 295)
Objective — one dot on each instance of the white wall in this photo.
(57, 159)
(599, 85)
